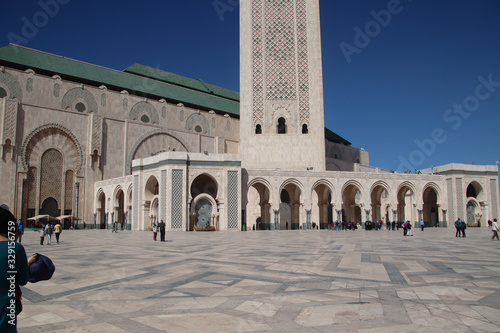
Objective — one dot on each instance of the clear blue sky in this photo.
(421, 86)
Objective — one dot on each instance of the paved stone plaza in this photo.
(287, 281)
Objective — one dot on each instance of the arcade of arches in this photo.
(293, 210)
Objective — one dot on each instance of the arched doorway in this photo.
(286, 211)
(290, 195)
(475, 196)
(120, 209)
(379, 199)
(101, 211)
(204, 207)
(151, 190)
(351, 202)
(322, 206)
(406, 199)
(430, 208)
(258, 207)
(50, 207)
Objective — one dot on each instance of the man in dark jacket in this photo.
(458, 226)
(161, 227)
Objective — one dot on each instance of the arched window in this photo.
(305, 130)
(281, 126)
(3, 93)
(258, 129)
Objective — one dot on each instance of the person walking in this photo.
(114, 227)
(463, 227)
(161, 226)
(155, 231)
(49, 231)
(494, 228)
(57, 231)
(422, 225)
(20, 231)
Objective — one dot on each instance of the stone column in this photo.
(308, 219)
(276, 219)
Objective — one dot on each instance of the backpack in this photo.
(458, 224)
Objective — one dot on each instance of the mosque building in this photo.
(142, 145)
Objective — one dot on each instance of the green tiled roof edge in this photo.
(196, 84)
(60, 65)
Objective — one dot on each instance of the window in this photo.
(145, 119)
(198, 129)
(304, 129)
(3, 93)
(258, 129)
(281, 126)
(80, 107)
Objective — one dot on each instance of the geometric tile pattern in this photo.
(9, 121)
(96, 146)
(451, 196)
(29, 85)
(257, 63)
(280, 61)
(232, 199)
(163, 196)
(302, 59)
(267, 281)
(32, 188)
(14, 88)
(177, 199)
(51, 176)
(57, 90)
(135, 218)
(68, 190)
(494, 196)
(460, 198)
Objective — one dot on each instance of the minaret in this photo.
(281, 85)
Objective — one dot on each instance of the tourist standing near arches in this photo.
(161, 226)
(458, 226)
(155, 231)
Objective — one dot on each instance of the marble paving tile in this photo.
(266, 281)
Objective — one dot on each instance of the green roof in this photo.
(195, 84)
(137, 78)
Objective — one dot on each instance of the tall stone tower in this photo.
(281, 85)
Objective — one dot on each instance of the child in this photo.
(42, 234)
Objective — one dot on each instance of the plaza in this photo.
(267, 281)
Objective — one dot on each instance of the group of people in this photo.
(407, 229)
(49, 230)
(460, 226)
(161, 228)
